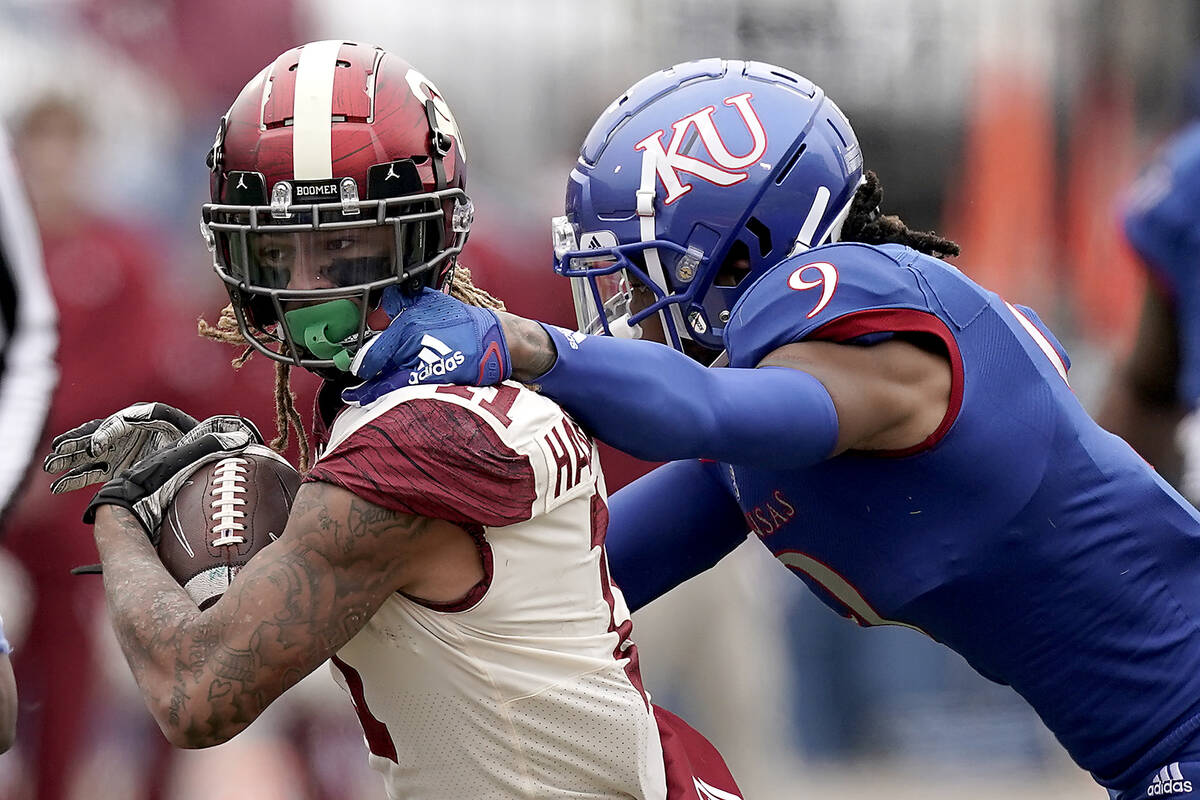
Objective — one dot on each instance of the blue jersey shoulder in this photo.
(858, 293)
(1162, 210)
(802, 293)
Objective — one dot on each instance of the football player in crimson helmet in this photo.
(445, 554)
(337, 172)
(902, 439)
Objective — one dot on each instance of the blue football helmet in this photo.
(690, 175)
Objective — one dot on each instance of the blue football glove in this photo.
(432, 338)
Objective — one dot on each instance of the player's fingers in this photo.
(372, 390)
(226, 423)
(69, 440)
(393, 300)
(371, 357)
(112, 431)
(198, 444)
(58, 461)
(80, 477)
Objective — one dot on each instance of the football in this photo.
(225, 513)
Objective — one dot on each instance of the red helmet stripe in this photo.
(312, 132)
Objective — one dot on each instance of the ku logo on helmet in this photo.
(728, 168)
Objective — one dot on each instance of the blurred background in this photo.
(1012, 126)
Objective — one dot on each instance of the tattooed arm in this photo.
(207, 675)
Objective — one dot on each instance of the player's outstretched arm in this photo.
(668, 526)
(658, 404)
(207, 675)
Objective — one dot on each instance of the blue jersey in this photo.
(1162, 223)
(1020, 534)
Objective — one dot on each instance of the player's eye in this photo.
(272, 256)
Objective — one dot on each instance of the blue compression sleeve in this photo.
(668, 526)
(655, 403)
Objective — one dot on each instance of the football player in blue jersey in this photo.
(1158, 385)
(902, 439)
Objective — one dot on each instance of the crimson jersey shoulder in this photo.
(436, 458)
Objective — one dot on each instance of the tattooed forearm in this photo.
(206, 675)
(530, 347)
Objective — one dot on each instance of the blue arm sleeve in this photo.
(655, 403)
(668, 526)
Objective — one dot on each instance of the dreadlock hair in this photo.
(226, 330)
(864, 223)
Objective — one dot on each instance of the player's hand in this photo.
(148, 487)
(432, 338)
(98, 450)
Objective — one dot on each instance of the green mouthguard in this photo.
(323, 327)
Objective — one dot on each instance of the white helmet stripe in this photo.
(804, 239)
(312, 112)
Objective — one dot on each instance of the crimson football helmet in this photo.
(337, 172)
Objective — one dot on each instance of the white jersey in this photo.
(529, 688)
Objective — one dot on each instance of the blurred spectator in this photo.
(27, 378)
(126, 335)
(1159, 382)
(27, 331)
(100, 272)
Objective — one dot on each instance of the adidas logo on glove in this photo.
(1168, 781)
(436, 359)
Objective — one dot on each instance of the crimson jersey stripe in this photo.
(379, 739)
(435, 459)
(625, 629)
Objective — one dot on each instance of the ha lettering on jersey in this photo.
(570, 452)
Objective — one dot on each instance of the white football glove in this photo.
(149, 486)
(98, 450)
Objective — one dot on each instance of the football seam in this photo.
(229, 489)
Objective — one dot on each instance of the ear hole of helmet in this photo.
(762, 233)
(735, 267)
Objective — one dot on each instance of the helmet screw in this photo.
(724, 316)
(685, 272)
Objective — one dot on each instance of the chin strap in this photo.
(645, 211)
